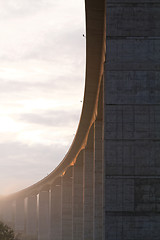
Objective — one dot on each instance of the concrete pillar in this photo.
(19, 217)
(99, 172)
(78, 198)
(1, 210)
(43, 215)
(88, 187)
(8, 212)
(67, 205)
(56, 210)
(98, 183)
(31, 217)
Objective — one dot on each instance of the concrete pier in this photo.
(88, 187)
(7, 213)
(43, 215)
(19, 215)
(98, 172)
(31, 218)
(56, 210)
(98, 183)
(78, 198)
(67, 180)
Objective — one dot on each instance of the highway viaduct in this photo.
(108, 185)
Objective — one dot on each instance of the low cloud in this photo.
(21, 8)
(51, 118)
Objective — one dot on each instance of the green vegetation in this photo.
(6, 233)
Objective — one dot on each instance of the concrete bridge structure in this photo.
(108, 185)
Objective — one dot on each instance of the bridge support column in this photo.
(56, 210)
(1, 210)
(99, 172)
(7, 214)
(98, 183)
(31, 217)
(20, 217)
(78, 198)
(67, 205)
(88, 188)
(43, 216)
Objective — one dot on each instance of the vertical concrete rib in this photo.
(78, 197)
(98, 187)
(31, 217)
(67, 205)
(19, 217)
(88, 187)
(1, 209)
(7, 213)
(56, 210)
(43, 215)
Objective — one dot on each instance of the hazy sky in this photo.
(42, 69)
